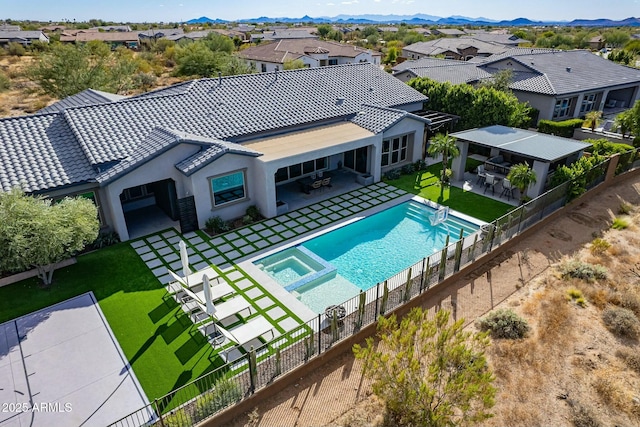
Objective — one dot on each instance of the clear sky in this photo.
(183, 10)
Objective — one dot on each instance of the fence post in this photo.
(319, 336)
(424, 260)
(155, 403)
(375, 314)
(253, 369)
(443, 261)
(361, 306)
(472, 254)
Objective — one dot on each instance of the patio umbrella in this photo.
(210, 308)
(184, 257)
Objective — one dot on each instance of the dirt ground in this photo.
(571, 366)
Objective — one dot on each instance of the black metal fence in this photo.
(230, 383)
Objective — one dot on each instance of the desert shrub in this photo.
(599, 246)
(217, 225)
(5, 82)
(178, 418)
(582, 270)
(575, 295)
(583, 417)
(619, 224)
(630, 357)
(253, 212)
(626, 299)
(15, 49)
(504, 323)
(225, 393)
(621, 321)
(625, 208)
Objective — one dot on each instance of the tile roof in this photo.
(286, 49)
(463, 72)
(45, 151)
(237, 107)
(86, 97)
(25, 35)
(160, 141)
(378, 119)
(39, 153)
(439, 46)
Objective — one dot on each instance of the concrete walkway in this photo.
(62, 366)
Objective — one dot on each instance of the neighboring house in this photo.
(509, 40)
(111, 28)
(559, 84)
(25, 38)
(314, 53)
(214, 147)
(387, 29)
(53, 28)
(8, 27)
(190, 36)
(284, 34)
(597, 43)
(448, 32)
(84, 98)
(158, 33)
(461, 49)
(230, 33)
(504, 146)
(115, 39)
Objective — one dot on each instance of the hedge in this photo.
(564, 128)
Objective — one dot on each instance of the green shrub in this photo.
(504, 323)
(407, 169)
(619, 224)
(599, 246)
(582, 270)
(15, 49)
(392, 174)
(253, 212)
(420, 165)
(217, 225)
(246, 220)
(225, 393)
(564, 128)
(621, 321)
(105, 238)
(631, 358)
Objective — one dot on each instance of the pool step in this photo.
(451, 225)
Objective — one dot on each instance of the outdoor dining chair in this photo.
(507, 189)
(490, 181)
(481, 175)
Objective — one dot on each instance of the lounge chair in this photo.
(182, 293)
(242, 334)
(224, 310)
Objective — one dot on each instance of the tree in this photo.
(500, 81)
(36, 233)
(196, 59)
(616, 38)
(593, 117)
(444, 145)
(429, 372)
(324, 30)
(392, 55)
(68, 69)
(522, 176)
(629, 121)
(293, 64)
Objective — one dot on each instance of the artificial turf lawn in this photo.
(153, 332)
(426, 185)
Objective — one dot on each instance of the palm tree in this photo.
(522, 176)
(446, 146)
(593, 117)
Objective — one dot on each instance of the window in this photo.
(333, 62)
(588, 103)
(394, 150)
(299, 169)
(228, 188)
(263, 68)
(562, 108)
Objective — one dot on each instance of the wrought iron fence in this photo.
(232, 382)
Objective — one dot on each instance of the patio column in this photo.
(541, 169)
(603, 100)
(458, 163)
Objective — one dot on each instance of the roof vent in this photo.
(568, 69)
(340, 101)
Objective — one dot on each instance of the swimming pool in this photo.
(368, 251)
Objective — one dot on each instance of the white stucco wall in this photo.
(158, 169)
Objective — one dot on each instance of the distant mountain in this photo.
(422, 19)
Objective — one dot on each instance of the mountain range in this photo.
(422, 19)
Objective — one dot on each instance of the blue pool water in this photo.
(372, 250)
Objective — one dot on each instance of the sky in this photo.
(183, 10)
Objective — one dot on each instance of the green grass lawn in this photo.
(426, 184)
(154, 333)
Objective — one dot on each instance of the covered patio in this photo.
(500, 147)
(316, 164)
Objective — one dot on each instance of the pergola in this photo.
(543, 152)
